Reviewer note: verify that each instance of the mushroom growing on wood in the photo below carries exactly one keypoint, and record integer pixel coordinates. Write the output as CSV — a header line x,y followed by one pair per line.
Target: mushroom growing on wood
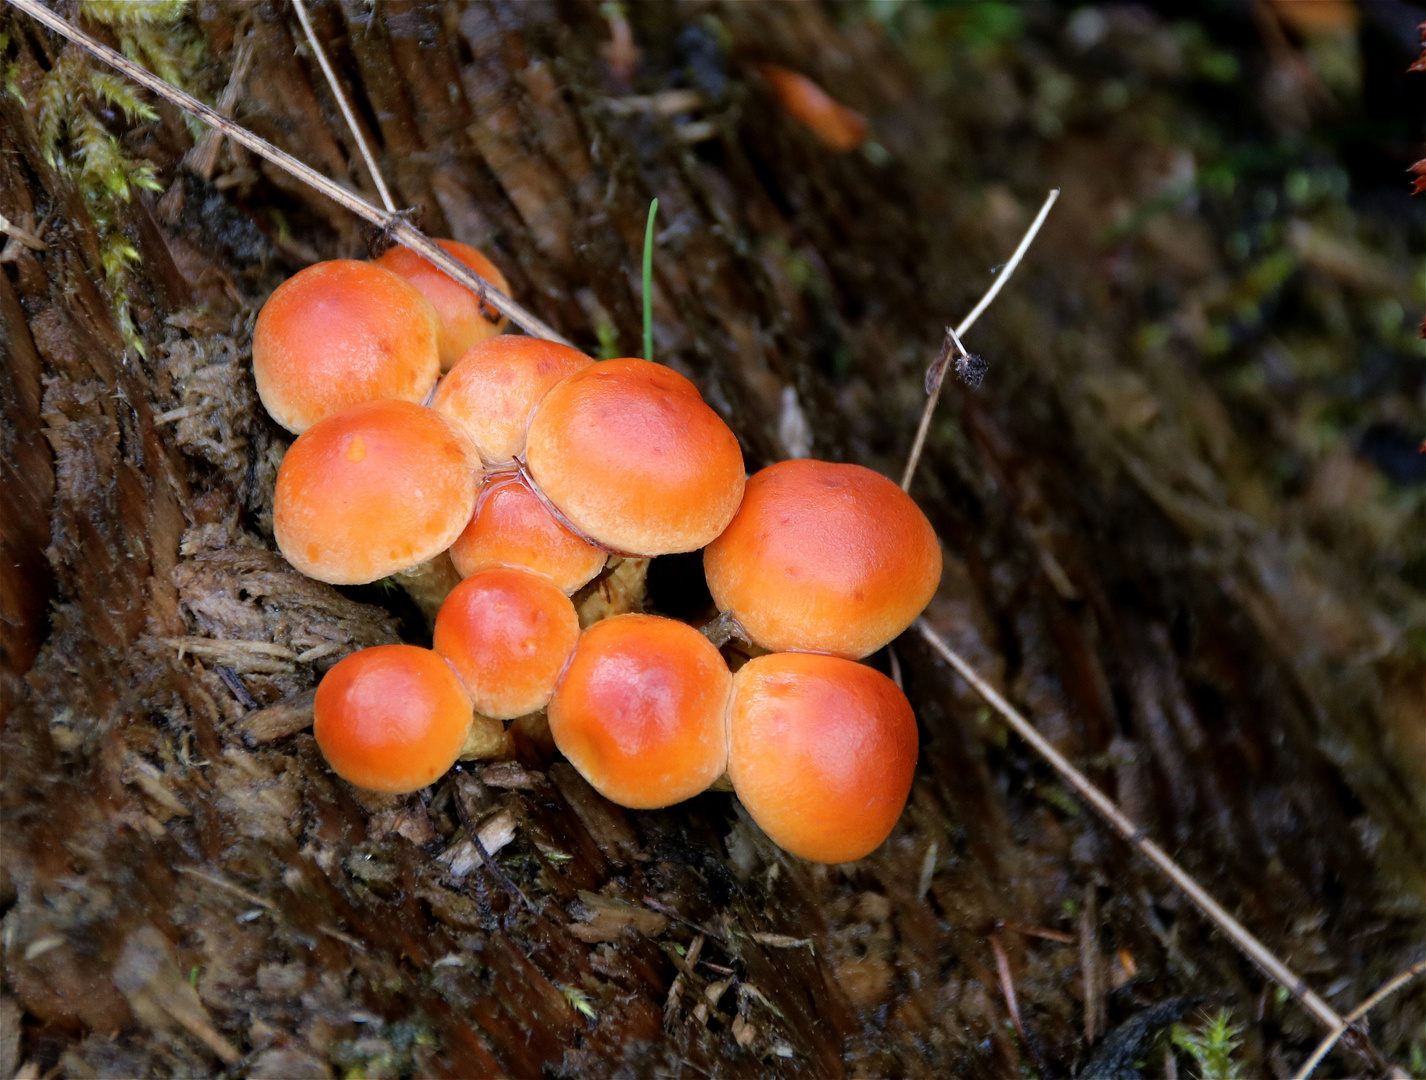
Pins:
x,y
629,452
340,333
391,718
824,557
493,389
508,634
821,752
378,489
640,711
462,321
511,526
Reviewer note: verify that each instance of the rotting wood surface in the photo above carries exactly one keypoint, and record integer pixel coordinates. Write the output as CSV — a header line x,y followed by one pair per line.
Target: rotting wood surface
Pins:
x,y
187,887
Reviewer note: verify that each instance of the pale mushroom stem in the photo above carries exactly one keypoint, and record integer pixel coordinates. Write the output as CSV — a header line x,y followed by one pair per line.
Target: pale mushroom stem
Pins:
x,y
487,740
429,583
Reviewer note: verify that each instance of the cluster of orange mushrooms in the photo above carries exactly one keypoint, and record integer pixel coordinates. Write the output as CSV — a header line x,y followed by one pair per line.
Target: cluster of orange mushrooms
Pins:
x,y
532,464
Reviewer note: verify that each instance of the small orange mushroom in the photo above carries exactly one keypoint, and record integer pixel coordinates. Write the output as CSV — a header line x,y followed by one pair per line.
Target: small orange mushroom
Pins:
x,y
513,527
463,323
380,488
824,557
340,333
640,712
821,752
629,452
391,718
508,634
494,388
833,123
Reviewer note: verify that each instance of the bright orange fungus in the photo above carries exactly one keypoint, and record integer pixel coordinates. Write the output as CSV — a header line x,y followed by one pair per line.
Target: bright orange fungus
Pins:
x,y
391,718
462,322
640,711
508,634
821,752
340,333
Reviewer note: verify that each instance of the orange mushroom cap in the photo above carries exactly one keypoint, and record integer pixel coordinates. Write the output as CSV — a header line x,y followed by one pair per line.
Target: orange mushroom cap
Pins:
x,y
462,323
391,718
825,558
821,752
513,527
508,634
833,123
494,388
379,488
641,710
629,452
339,333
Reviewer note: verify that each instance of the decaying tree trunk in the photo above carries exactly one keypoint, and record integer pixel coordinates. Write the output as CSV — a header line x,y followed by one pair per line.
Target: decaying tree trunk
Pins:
x,y
187,888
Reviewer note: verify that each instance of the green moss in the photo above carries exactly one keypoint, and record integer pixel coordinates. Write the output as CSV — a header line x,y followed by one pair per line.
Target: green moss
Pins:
x,y
72,99
1212,1046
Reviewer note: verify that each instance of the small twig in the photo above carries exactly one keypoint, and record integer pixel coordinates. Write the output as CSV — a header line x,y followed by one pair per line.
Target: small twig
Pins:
x,y
664,909
937,377
1007,987
399,229
236,890
235,685
1388,988
1038,932
1089,964
473,835
202,157
1251,946
347,114
24,236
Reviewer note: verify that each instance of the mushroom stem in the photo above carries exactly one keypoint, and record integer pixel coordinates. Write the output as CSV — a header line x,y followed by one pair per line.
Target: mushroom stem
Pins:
x,y
487,740
429,583
616,591
723,783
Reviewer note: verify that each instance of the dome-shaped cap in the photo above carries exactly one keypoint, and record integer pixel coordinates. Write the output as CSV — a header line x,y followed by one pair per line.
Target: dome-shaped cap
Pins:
x,y
508,634
391,718
379,488
462,322
640,712
821,752
629,452
825,558
494,388
340,333
513,527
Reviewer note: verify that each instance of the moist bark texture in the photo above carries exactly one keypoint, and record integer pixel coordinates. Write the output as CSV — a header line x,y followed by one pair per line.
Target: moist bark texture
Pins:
x,y
188,890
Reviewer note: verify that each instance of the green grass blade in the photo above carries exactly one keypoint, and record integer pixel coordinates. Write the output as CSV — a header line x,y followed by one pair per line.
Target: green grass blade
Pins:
x,y
649,283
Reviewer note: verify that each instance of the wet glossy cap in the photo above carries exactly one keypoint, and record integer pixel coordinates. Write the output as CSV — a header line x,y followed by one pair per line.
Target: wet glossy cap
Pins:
x,y
512,527
833,123
494,388
379,488
825,558
462,322
630,454
340,333
641,710
508,634
821,752
391,718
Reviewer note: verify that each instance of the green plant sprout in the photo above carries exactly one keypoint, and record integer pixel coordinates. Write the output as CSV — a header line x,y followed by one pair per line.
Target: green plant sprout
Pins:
x,y
649,283
1212,1046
